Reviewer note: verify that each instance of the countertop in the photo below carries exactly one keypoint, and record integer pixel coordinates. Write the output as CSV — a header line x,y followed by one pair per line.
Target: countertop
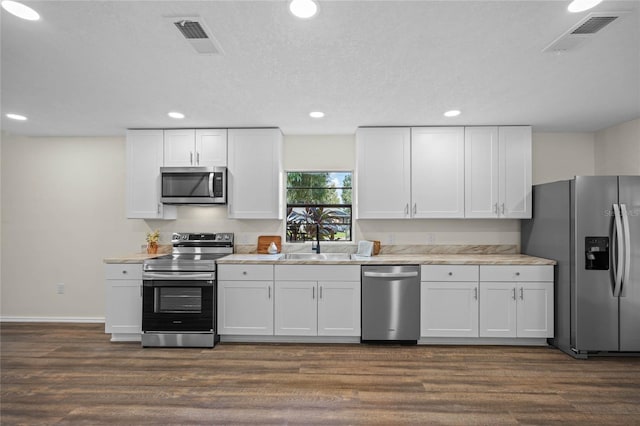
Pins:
x,y
385,259
139,257
395,259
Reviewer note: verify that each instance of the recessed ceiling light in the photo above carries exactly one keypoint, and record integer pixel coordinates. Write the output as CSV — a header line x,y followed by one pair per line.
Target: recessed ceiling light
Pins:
x,y
20,10
303,9
316,114
452,113
176,115
16,117
582,5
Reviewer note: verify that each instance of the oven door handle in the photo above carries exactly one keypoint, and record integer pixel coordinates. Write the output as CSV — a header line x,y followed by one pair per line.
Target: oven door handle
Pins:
x,y
180,276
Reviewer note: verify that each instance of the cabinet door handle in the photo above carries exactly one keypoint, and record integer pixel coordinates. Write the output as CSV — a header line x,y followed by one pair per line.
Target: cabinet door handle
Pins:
x,y
406,209
197,158
475,293
313,292
415,208
158,208
269,287
320,292
521,293
514,293
503,208
191,158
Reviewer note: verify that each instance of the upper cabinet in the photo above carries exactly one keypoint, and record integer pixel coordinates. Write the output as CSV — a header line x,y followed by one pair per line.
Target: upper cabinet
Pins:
x,y
254,174
383,174
437,172
195,147
410,173
144,157
498,172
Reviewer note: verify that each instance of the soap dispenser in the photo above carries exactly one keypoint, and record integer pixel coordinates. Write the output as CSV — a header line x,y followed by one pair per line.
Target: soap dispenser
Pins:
x,y
273,249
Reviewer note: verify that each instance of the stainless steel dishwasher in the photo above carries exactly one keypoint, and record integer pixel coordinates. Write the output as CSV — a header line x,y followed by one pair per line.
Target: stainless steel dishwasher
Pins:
x,y
391,303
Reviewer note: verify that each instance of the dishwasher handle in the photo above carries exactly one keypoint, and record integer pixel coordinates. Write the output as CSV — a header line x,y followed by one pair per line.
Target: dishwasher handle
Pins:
x,y
391,274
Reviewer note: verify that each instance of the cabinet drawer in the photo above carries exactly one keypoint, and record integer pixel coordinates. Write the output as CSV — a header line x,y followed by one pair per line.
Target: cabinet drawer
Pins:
x,y
317,272
245,272
123,271
449,273
516,273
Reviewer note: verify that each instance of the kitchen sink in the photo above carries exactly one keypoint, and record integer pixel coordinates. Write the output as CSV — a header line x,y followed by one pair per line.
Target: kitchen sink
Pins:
x,y
315,256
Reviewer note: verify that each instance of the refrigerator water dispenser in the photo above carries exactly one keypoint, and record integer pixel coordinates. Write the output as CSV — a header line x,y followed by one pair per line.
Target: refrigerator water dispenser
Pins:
x,y
596,253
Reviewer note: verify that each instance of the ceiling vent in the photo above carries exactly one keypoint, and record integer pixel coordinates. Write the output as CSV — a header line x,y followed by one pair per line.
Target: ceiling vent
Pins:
x,y
196,33
582,32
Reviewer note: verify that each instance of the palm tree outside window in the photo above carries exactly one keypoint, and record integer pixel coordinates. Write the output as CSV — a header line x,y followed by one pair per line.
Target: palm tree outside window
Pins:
x,y
319,198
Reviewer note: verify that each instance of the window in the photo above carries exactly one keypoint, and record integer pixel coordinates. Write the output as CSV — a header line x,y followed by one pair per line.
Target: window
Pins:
x,y
319,201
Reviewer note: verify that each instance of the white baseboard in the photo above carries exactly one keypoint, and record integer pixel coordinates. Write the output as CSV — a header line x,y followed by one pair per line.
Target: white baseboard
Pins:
x,y
53,319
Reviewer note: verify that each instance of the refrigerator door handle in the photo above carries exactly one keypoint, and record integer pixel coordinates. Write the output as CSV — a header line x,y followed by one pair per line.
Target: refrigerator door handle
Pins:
x,y
617,269
627,244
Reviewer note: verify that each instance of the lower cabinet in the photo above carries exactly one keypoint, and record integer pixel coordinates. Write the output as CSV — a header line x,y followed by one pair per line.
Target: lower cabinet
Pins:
x,y
313,300
123,313
245,300
516,301
449,305
486,301
523,309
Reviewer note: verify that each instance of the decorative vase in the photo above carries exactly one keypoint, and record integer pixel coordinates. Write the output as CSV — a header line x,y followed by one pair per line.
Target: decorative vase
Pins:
x,y
152,248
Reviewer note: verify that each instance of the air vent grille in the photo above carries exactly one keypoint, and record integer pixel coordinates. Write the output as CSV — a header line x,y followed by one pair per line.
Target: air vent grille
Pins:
x,y
582,31
594,24
191,29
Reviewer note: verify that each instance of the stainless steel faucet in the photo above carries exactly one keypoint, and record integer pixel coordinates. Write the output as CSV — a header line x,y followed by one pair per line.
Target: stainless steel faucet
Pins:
x,y
317,247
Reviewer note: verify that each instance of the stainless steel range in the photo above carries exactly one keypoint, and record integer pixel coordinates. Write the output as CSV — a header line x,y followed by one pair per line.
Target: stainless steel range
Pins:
x,y
179,291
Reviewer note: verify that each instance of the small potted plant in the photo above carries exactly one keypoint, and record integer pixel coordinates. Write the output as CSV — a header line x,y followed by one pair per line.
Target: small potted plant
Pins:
x,y
152,241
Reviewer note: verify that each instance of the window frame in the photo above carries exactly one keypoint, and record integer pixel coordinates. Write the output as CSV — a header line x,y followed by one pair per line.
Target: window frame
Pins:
x,y
350,206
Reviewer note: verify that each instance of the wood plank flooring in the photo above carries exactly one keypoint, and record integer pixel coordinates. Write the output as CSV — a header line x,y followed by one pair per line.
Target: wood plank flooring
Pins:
x,y
72,374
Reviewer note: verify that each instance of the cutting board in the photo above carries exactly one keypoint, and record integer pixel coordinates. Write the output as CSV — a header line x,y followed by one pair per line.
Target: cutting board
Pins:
x,y
265,240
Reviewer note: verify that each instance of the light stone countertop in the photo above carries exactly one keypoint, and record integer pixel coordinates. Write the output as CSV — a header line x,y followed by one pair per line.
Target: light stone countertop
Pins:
x,y
394,259
139,257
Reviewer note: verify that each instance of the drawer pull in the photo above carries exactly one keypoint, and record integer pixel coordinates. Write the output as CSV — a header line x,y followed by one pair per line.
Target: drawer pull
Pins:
x,y
517,274
450,273
124,272
244,272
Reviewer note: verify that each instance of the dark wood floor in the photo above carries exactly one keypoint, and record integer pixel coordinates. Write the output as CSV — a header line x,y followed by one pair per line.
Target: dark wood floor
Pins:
x,y
72,374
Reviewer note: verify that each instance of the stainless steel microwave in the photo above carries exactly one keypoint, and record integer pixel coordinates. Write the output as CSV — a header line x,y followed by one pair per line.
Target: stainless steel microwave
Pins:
x,y
193,185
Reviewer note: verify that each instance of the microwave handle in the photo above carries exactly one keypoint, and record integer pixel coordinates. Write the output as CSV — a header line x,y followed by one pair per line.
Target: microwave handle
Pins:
x,y
211,185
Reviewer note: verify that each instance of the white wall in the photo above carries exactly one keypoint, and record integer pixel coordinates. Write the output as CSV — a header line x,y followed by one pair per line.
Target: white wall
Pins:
x,y
63,211
617,149
561,156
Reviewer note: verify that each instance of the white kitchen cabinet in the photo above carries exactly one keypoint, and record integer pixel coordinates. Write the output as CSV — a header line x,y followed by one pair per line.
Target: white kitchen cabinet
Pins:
x,y
255,175
383,173
516,301
437,172
339,308
498,172
195,147
296,309
144,157
245,300
123,318
317,300
410,173
449,301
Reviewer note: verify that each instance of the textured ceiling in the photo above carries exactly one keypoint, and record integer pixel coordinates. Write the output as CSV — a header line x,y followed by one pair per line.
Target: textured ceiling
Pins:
x,y
99,67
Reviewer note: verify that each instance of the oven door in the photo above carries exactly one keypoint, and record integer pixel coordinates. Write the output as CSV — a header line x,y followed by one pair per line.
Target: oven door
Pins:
x,y
178,303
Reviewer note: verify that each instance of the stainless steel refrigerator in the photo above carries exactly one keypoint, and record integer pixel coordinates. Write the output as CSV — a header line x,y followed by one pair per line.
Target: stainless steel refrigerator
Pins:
x,y
591,226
